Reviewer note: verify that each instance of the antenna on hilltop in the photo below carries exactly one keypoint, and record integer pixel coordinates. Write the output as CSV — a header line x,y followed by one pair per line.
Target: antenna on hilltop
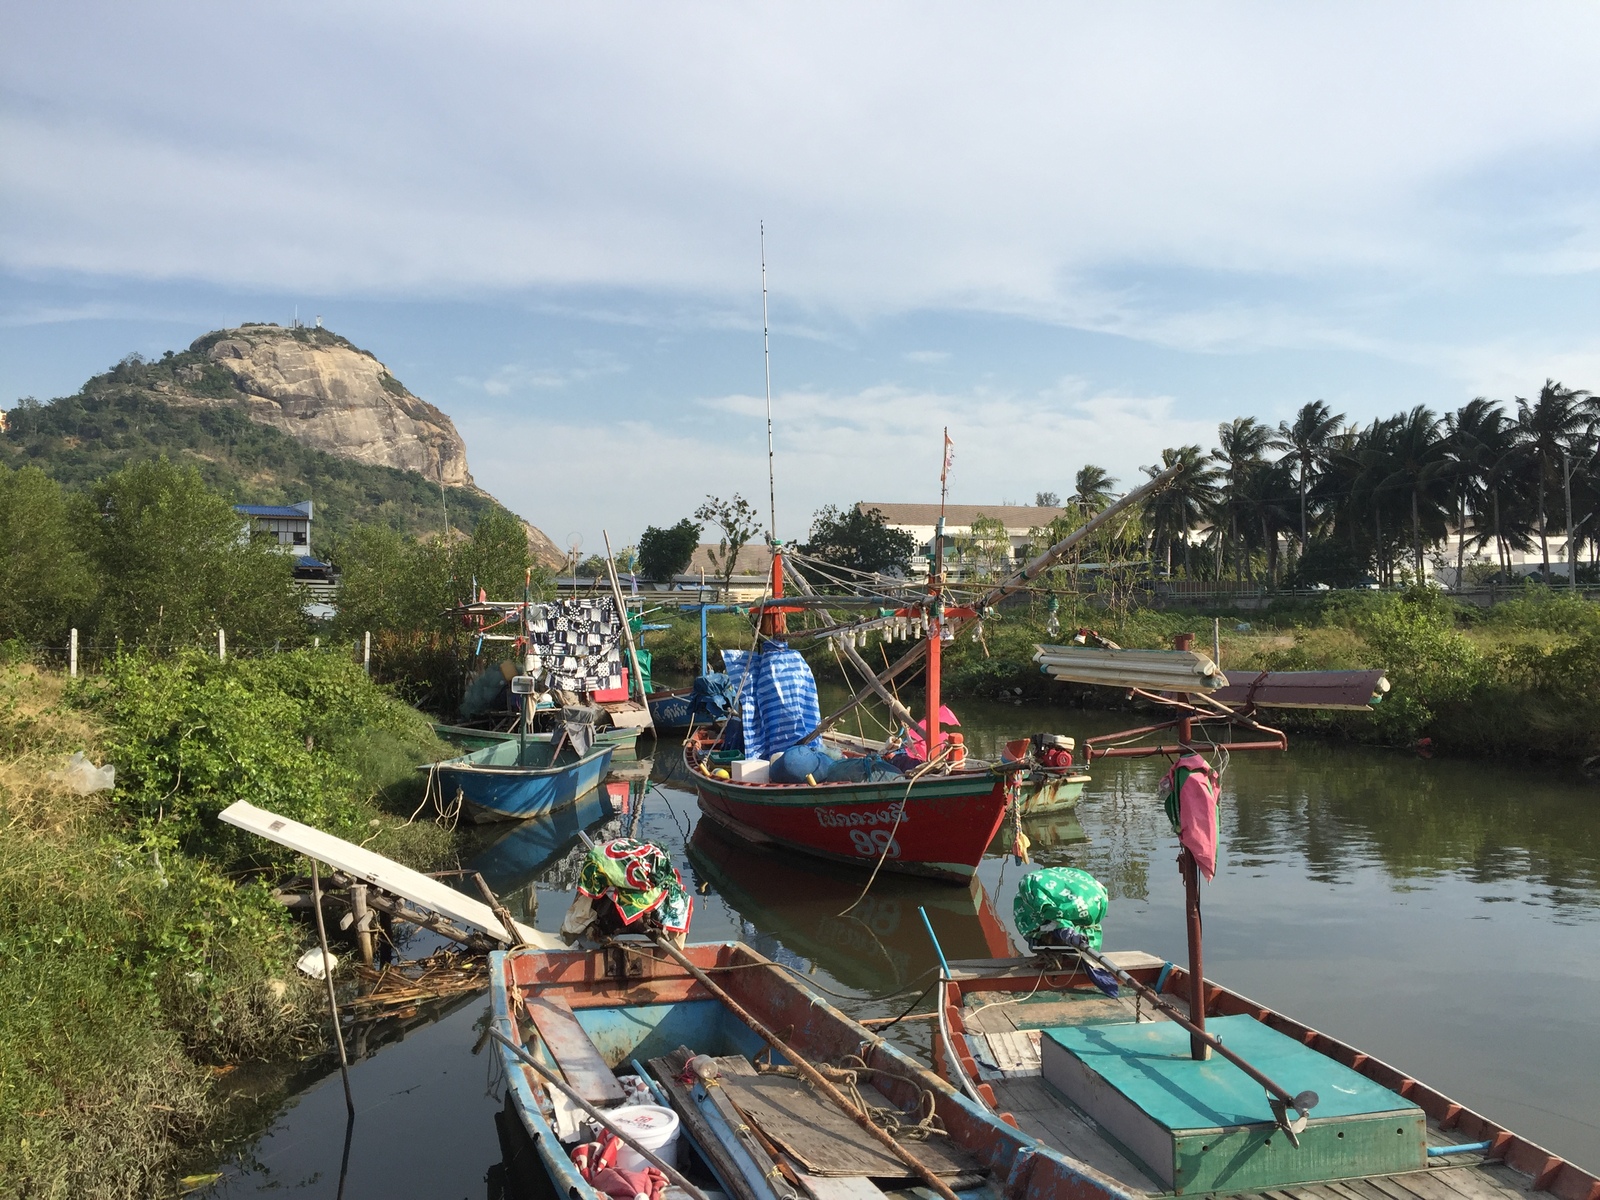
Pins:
x,y
766,357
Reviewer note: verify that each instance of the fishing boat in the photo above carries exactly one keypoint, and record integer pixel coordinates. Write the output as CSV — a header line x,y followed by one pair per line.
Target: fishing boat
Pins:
x,y
1115,1084
519,779
717,1033
624,742
938,825
673,710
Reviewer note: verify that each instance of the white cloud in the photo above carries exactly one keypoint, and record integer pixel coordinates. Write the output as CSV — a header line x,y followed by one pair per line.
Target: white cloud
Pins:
x,y
903,155
927,358
515,378
880,443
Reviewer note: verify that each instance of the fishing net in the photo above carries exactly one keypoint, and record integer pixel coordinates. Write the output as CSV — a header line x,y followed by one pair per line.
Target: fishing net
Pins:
x,y
1059,896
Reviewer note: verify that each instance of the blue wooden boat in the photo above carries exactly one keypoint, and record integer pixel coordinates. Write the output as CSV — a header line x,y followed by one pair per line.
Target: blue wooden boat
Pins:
x,y
471,737
519,779
1018,1036
672,711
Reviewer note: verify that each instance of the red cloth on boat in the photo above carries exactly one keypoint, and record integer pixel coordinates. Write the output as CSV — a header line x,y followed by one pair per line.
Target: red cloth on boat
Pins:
x,y
1197,809
594,1162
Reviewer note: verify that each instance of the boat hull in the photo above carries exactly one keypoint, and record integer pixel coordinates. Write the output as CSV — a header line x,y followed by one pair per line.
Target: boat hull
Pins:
x,y
623,741
1050,792
938,826
520,794
672,711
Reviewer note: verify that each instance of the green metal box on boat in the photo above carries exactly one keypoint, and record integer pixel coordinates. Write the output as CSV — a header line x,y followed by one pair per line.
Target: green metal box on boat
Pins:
x,y
1206,1126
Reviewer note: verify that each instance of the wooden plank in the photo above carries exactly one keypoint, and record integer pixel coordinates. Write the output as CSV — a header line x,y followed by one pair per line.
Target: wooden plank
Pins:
x,y
1015,1054
1474,1183
574,1052
380,871
840,1187
1133,960
825,1141
666,1071
1045,1115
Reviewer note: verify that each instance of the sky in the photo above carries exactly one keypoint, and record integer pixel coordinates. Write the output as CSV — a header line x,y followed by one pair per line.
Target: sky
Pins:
x,y
1072,233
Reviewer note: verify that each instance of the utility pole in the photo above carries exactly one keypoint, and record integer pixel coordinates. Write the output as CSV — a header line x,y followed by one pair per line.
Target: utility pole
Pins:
x,y
1572,557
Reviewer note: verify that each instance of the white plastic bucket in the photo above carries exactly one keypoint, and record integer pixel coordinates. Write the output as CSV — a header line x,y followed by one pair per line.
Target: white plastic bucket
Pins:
x,y
653,1127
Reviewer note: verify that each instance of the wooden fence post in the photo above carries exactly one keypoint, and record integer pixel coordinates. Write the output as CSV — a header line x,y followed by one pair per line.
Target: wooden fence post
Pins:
x,y
222,645
366,652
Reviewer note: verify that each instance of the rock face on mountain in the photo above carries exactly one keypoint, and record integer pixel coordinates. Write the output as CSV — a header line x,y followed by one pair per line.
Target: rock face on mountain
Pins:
x,y
321,390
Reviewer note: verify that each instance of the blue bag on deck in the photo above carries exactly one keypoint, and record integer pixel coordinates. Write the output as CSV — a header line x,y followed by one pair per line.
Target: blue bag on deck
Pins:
x,y
793,765
713,698
869,768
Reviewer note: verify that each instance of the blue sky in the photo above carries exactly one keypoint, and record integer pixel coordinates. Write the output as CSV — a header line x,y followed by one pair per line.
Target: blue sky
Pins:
x,y
1073,233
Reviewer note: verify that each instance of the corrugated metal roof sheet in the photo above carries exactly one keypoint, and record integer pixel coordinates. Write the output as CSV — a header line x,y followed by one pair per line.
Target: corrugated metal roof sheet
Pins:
x,y
1012,516
271,510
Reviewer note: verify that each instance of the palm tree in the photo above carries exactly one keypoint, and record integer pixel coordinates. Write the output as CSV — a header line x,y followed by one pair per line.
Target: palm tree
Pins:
x,y
1241,443
1185,502
1092,489
1478,440
1305,442
1261,501
1557,421
1419,461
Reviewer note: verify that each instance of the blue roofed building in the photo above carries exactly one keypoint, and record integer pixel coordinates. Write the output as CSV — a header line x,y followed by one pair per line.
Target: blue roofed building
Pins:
x,y
289,525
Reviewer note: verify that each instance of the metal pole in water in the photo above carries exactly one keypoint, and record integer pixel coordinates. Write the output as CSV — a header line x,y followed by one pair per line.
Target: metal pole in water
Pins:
x,y
1199,1048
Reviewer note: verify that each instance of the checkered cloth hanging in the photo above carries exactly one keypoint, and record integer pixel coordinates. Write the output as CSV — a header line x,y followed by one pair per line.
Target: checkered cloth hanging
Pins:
x,y
579,643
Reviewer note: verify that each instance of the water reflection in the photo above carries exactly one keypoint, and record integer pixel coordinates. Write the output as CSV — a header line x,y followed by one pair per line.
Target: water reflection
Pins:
x,y
875,943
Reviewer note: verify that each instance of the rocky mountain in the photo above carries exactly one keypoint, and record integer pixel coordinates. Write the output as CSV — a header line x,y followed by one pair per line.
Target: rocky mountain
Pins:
x,y
309,384
324,392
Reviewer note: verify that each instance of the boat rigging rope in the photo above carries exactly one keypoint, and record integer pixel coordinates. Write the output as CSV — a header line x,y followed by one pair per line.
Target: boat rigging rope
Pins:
x,y
938,758
891,1120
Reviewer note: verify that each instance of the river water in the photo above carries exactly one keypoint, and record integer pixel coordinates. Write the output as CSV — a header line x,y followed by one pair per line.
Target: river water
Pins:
x,y
1441,915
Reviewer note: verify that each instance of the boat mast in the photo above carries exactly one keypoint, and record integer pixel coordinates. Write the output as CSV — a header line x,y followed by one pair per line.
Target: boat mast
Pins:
x,y
936,608
773,624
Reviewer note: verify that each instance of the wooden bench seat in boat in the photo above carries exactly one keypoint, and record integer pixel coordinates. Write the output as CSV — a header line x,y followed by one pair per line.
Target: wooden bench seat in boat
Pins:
x,y
573,1050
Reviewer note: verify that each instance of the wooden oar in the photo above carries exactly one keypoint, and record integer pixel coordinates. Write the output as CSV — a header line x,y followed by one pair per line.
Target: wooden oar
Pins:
x,y
816,1077
628,1140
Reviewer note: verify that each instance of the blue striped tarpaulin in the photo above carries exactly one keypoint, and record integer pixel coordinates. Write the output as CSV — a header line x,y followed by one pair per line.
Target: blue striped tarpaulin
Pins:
x,y
778,699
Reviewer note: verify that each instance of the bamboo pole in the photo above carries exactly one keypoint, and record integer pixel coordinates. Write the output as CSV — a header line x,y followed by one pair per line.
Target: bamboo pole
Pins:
x,y
814,1076
333,999
627,629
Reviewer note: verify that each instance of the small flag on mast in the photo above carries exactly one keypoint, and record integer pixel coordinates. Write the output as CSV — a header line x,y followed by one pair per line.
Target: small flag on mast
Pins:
x,y
949,456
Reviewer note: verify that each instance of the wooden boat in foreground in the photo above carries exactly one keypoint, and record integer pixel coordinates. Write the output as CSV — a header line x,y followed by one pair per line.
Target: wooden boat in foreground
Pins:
x,y
757,1135
1112,1083
519,779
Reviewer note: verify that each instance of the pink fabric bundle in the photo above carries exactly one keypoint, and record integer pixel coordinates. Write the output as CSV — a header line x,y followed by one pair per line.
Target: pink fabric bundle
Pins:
x,y
594,1159
1197,810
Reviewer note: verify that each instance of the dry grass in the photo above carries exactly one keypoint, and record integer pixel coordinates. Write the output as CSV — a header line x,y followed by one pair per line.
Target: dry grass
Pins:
x,y
38,731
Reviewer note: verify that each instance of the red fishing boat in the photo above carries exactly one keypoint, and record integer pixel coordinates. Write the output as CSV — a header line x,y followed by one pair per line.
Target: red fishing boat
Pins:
x,y
938,825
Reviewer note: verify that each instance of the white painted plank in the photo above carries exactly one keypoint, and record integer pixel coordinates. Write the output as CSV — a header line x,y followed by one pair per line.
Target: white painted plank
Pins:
x,y
1016,1054
375,869
840,1187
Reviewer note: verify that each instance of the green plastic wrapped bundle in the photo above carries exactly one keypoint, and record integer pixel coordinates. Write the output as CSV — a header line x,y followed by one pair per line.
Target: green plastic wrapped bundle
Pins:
x,y
1064,895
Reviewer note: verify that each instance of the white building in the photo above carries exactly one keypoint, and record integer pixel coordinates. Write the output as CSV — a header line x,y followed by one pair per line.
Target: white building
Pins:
x,y
289,524
921,520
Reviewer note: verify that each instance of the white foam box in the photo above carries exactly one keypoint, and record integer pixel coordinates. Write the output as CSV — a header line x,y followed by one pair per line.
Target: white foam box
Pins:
x,y
750,770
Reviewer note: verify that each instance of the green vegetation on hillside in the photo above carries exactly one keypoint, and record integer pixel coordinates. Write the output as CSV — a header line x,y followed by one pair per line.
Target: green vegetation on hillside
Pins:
x,y
116,421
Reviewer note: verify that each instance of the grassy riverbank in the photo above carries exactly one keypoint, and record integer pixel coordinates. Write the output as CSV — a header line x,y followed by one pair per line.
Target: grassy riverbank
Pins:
x,y
1519,679
141,953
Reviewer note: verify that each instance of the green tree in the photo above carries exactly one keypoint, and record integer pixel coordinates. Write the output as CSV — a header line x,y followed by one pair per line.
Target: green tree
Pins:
x,y
498,557
986,550
175,565
1185,504
45,584
1305,443
1046,500
664,553
859,541
739,522
1092,489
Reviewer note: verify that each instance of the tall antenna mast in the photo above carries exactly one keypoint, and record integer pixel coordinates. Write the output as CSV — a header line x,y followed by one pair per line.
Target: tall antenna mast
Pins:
x,y
766,355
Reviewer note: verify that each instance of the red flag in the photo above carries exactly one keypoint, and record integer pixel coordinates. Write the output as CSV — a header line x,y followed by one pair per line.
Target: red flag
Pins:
x,y
949,456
